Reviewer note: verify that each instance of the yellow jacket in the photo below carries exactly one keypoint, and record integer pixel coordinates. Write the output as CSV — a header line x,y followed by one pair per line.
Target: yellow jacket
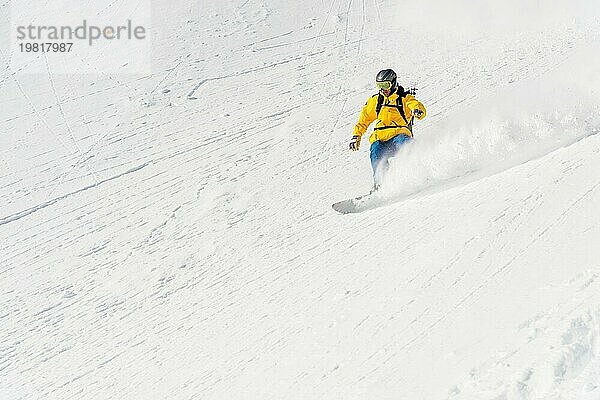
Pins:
x,y
390,122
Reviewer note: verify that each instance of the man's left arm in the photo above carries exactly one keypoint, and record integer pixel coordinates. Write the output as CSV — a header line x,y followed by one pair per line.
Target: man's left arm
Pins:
x,y
416,107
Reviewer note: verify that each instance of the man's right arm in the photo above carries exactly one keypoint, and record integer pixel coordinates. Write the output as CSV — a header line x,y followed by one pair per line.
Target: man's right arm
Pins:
x,y
367,116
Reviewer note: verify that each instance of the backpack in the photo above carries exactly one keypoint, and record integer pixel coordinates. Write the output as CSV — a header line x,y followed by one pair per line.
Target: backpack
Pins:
x,y
401,94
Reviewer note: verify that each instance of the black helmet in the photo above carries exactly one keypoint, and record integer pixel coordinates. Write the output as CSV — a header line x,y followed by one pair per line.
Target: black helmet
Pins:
x,y
386,75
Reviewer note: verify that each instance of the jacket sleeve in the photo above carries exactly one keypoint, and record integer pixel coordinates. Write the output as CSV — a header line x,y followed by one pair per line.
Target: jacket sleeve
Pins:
x,y
414,104
367,116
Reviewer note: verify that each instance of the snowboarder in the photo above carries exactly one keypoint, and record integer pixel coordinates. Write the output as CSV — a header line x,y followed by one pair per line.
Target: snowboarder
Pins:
x,y
394,109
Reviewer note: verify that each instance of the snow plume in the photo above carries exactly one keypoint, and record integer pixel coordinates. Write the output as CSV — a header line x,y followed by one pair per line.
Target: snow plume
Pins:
x,y
515,125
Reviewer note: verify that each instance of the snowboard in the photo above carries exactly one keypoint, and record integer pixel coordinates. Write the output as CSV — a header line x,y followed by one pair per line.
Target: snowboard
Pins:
x,y
358,204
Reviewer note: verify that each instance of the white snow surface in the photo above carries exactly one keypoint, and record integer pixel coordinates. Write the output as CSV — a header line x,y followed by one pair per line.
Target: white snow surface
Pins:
x,y
170,235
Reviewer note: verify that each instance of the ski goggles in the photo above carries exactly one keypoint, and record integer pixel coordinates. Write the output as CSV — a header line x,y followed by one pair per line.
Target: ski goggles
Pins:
x,y
385,85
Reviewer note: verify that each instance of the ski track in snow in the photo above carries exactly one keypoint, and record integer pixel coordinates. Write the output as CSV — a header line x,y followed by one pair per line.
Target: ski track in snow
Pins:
x,y
170,235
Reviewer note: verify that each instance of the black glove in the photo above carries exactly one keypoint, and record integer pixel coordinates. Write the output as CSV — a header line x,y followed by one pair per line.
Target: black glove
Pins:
x,y
418,113
355,143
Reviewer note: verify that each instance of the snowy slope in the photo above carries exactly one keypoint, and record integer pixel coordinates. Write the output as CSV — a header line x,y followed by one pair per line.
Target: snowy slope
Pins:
x,y
170,235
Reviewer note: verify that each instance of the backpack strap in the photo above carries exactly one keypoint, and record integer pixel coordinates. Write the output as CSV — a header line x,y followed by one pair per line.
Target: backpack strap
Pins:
x,y
400,105
379,103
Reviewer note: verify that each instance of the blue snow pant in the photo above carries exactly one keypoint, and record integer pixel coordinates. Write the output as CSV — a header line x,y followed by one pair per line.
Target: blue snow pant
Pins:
x,y
381,152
